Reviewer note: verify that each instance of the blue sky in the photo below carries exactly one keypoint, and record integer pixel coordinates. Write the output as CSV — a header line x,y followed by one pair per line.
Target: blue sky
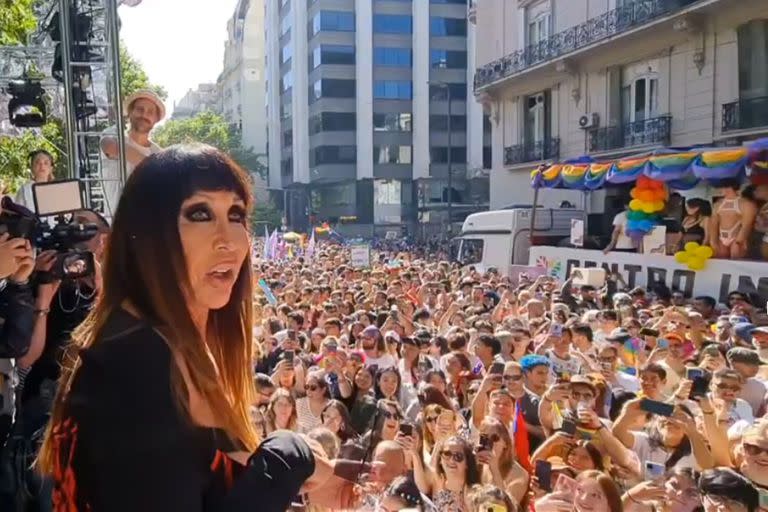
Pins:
x,y
179,42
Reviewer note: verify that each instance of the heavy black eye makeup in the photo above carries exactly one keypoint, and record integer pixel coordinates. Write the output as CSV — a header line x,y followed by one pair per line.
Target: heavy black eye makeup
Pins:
x,y
202,212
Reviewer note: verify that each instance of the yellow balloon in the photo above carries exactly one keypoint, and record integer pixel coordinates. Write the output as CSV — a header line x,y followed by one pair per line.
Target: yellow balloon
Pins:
x,y
696,264
682,257
635,204
691,246
647,208
658,206
704,252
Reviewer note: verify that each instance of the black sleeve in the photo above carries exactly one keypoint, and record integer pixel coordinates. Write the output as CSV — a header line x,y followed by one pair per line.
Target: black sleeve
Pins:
x,y
274,476
17,311
133,451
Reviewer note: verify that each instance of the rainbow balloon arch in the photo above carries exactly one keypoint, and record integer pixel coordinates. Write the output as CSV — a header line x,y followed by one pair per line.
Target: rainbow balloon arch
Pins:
x,y
654,175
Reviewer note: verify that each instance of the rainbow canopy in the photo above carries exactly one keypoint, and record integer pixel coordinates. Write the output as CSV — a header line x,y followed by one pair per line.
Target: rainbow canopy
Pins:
x,y
681,170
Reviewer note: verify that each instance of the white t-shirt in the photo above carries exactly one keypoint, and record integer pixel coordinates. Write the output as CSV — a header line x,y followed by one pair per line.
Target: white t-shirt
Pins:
x,y
110,171
623,242
563,367
383,361
642,448
305,420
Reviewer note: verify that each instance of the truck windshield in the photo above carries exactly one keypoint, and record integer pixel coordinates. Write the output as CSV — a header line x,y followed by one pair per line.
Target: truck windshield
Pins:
x,y
471,251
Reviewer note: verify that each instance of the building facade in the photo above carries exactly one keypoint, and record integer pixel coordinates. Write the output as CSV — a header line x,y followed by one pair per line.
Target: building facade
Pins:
x,y
205,97
608,78
242,81
357,102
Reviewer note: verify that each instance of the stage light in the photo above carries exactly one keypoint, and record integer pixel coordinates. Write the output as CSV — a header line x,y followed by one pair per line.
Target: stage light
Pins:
x,y
26,107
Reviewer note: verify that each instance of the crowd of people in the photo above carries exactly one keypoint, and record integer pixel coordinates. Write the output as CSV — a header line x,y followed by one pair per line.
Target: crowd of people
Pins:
x,y
466,392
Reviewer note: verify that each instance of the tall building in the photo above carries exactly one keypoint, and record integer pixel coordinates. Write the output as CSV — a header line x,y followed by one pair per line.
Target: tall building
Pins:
x,y
609,78
357,102
242,82
205,97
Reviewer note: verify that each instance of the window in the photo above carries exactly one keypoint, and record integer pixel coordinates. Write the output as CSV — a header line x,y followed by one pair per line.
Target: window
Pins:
x,y
459,2
471,251
538,27
448,59
394,57
640,99
392,24
487,157
440,122
439,93
332,155
285,25
392,90
332,88
332,122
286,52
753,62
439,155
387,192
447,26
343,194
333,21
287,80
332,54
537,117
286,166
400,122
288,137
392,154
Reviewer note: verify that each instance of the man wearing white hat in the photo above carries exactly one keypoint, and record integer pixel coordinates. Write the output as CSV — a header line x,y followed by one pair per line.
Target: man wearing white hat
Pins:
x,y
144,109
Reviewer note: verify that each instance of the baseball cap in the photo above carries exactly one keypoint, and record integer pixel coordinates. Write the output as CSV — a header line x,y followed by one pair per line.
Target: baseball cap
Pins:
x,y
744,331
389,335
619,335
370,332
745,356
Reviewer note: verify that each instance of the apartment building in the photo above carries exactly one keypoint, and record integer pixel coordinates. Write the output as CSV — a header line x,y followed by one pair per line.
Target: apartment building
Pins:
x,y
358,108
562,79
205,97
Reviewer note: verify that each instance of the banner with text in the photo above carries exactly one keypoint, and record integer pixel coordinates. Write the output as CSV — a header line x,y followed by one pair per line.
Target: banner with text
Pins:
x,y
718,278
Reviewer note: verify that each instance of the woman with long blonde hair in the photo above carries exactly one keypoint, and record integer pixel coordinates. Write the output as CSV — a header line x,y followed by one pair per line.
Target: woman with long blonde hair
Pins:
x,y
152,410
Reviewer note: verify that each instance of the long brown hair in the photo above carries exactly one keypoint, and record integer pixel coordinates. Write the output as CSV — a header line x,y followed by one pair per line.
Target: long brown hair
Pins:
x,y
607,485
144,266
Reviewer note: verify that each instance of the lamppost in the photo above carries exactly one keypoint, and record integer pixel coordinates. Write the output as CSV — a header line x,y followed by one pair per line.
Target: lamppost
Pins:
x,y
447,88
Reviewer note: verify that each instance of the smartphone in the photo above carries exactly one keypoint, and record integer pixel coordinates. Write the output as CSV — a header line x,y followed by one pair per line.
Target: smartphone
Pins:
x,y
700,381
496,369
406,429
484,443
544,474
662,343
568,427
653,470
656,407
289,356
565,484
646,331
556,330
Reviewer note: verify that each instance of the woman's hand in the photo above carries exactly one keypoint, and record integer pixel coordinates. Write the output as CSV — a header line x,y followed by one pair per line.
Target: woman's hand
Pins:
x,y
647,491
555,502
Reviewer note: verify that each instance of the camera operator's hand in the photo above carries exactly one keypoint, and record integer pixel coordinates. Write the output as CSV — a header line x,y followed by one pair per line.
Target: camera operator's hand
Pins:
x,y
26,264
46,292
12,250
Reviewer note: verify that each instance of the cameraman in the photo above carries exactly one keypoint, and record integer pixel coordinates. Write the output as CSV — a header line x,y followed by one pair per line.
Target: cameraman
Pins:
x,y
17,261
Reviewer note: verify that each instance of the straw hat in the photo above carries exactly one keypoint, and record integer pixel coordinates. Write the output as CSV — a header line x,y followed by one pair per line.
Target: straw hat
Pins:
x,y
145,95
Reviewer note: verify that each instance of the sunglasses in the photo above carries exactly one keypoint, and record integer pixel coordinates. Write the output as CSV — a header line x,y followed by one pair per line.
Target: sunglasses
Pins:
x,y
754,450
311,387
516,377
390,415
457,457
728,387
431,419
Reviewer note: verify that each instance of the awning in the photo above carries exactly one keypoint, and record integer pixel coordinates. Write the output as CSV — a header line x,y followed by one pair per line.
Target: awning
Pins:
x,y
680,169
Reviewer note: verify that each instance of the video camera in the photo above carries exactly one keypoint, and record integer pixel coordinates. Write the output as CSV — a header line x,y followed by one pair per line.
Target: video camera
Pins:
x,y
59,199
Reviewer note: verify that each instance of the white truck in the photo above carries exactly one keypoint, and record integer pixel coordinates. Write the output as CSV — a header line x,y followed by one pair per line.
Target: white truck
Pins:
x,y
502,238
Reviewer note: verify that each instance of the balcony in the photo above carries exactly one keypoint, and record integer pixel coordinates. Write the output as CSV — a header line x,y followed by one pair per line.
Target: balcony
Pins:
x,y
745,114
607,25
547,149
654,131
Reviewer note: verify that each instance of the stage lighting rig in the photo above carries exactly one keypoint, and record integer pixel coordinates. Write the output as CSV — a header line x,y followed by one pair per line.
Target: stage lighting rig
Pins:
x,y
26,107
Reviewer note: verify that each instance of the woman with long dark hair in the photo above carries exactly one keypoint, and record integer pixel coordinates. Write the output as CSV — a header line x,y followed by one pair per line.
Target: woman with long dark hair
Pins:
x,y
152,410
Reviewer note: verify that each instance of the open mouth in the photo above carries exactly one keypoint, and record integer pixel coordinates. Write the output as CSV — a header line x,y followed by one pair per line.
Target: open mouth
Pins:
x,y
223,274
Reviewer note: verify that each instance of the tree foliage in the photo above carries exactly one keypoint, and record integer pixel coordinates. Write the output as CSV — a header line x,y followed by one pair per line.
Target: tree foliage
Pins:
x,y
133,77
209,128
17,21
265,213
15,150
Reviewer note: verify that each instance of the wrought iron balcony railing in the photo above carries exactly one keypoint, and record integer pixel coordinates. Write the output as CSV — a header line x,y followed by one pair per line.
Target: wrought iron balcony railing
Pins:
x,y
637,133
532,152
591,31
745,114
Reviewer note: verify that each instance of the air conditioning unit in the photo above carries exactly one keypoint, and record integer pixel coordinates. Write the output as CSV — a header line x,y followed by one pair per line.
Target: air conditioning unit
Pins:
x,y
589,121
